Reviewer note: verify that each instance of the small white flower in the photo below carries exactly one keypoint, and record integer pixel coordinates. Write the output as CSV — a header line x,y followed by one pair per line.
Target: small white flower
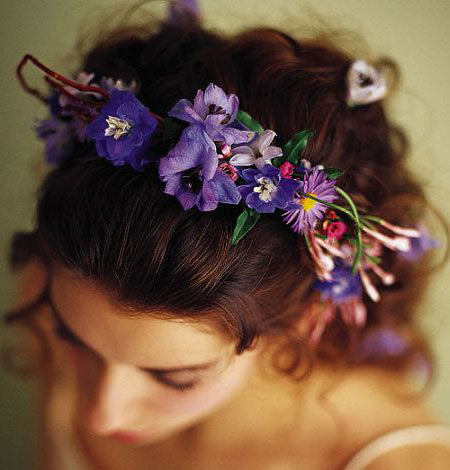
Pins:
x,y
266,190
307,164
365,84
258,153
110,84
117,127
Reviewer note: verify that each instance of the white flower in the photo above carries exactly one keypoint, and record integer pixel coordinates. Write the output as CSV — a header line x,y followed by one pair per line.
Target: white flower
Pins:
x,y
258,153
365,84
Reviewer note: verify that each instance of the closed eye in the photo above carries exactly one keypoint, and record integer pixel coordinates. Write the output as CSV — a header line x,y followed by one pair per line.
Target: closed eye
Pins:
x,y
181,386
66,335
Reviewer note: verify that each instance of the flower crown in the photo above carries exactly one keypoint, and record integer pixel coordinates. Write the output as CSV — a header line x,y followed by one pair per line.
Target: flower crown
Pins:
x,y
209,152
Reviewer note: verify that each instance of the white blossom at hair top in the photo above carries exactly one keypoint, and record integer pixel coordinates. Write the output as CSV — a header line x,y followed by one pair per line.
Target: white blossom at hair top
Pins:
x,y
365,84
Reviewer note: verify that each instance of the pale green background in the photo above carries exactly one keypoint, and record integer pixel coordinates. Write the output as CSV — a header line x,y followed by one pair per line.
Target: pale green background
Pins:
x,y
413,32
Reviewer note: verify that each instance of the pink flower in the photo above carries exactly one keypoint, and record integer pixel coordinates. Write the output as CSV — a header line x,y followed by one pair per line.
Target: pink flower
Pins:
x,y
230,170
336,230
287,168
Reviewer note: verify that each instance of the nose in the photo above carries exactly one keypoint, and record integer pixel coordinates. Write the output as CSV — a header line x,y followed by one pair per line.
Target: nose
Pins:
x,y
115,400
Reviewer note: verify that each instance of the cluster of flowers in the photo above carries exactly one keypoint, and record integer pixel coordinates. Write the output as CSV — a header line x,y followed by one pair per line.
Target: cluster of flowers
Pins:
x,y
208,151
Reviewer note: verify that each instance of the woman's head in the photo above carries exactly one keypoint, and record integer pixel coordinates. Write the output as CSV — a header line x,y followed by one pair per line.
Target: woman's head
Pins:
x,y
125,259
141,375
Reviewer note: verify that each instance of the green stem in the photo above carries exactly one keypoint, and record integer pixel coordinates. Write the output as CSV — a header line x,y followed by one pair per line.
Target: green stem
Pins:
x,y
373,218
358,227
329,204
353,215
308,243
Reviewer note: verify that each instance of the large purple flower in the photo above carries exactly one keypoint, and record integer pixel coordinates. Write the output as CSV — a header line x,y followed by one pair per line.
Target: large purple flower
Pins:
x,y
191,173
124,131
267,189
214,111
304,212
343,286
58,137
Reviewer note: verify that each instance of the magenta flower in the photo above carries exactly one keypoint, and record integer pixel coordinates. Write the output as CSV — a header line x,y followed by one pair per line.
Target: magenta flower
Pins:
x,y
287,168
336,230
214,112
304,212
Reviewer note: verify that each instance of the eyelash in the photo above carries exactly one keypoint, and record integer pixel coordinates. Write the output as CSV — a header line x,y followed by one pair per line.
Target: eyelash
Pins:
x,y
65,335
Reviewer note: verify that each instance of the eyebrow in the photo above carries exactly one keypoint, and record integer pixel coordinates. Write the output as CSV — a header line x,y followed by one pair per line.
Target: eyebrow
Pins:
x,y
152,370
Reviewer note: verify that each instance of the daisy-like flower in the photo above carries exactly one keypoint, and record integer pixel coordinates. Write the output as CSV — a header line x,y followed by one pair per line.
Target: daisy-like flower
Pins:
x,y
258,152
303,213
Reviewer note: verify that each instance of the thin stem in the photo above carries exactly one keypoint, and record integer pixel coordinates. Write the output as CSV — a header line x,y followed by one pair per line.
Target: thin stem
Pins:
x,y
358,227
329,204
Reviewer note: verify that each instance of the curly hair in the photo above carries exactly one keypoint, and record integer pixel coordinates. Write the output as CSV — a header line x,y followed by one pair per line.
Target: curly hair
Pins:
x,y
117,227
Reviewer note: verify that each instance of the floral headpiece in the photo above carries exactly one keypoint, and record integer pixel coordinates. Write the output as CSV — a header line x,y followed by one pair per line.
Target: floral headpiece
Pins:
x,y
209,152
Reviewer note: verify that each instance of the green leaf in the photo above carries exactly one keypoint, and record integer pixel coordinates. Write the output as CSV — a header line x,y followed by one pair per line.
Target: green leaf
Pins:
x,y
252,124
278,161
295,147
244,223
334,173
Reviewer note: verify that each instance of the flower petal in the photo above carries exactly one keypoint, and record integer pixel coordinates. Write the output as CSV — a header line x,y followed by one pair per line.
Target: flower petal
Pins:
x,y
215,95
227,191
242,159
265,139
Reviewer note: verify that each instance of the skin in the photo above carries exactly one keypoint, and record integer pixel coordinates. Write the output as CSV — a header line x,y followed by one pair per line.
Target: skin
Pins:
x,y
244,415
142,375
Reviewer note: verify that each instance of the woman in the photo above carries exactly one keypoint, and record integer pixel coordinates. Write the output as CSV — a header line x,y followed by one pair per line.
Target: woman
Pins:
x,y
207,295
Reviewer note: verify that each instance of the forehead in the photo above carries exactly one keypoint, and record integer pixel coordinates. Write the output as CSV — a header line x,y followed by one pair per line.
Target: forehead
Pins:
x,y
140,339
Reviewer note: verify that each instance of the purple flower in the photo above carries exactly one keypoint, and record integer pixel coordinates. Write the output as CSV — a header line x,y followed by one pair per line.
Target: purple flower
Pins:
x,y
419,246
303,212
381,343
213,111
343,286
58,138
267,189
124,131
182,12
191,173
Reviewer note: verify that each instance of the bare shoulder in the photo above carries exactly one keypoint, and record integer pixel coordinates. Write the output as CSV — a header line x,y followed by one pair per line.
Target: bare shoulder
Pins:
x,y
417,457
371,403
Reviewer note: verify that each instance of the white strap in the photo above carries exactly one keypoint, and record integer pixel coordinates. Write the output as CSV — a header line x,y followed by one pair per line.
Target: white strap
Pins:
x,y
425,434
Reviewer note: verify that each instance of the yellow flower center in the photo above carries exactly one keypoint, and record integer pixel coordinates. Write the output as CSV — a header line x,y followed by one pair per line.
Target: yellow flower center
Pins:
x,y
308,203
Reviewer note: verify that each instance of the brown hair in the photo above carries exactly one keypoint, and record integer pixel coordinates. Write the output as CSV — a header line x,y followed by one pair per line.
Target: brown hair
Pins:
x,y
117,227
